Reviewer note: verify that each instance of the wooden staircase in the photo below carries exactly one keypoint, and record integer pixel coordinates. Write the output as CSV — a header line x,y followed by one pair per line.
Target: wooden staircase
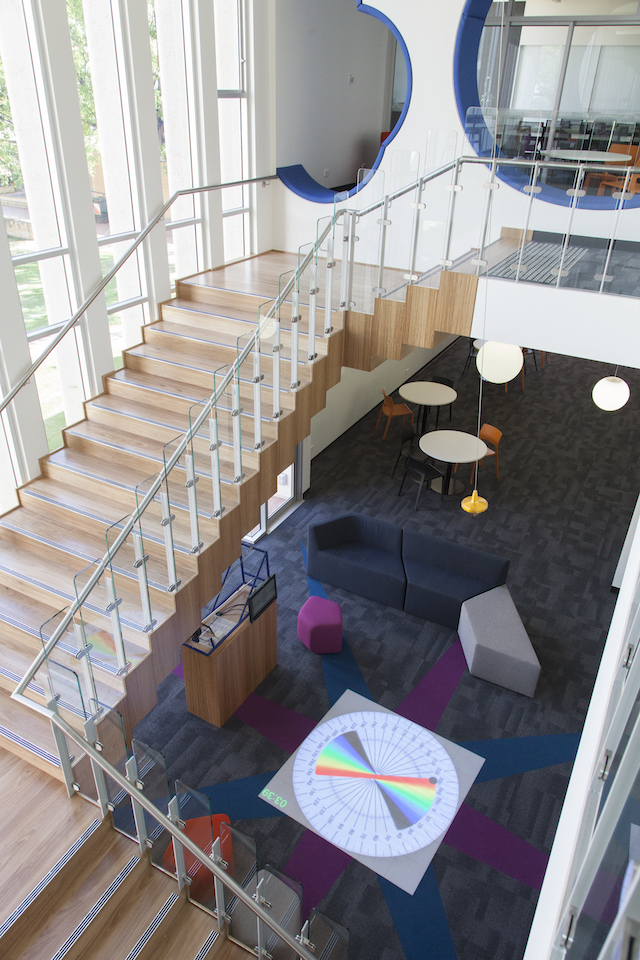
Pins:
x,y
62,524
103,899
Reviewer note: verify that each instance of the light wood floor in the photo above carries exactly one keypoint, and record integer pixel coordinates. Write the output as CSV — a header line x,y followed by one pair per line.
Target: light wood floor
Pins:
x,y
39,823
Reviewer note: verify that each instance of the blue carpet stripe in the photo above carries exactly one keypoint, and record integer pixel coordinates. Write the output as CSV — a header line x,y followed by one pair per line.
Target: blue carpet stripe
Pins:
x,y
341,670
511,755
420,920
240,799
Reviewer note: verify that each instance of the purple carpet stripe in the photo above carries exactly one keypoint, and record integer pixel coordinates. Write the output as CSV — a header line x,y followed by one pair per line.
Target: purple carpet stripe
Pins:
x,y
179,671
316,864
429,699
282,726
479,837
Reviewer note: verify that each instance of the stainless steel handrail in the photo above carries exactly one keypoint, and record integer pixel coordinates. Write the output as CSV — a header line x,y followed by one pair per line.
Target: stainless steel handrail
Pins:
x,y
71,322
137,795
157,483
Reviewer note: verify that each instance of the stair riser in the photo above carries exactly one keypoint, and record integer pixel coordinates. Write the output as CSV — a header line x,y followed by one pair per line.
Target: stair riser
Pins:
x,y
217,295
206,321
35,761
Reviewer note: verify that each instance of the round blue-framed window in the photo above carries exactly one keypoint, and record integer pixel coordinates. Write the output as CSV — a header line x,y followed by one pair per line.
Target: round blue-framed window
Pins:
x,y
465,74
302,183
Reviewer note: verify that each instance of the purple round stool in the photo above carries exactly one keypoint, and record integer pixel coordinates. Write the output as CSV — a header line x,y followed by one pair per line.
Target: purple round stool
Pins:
x,y
320,625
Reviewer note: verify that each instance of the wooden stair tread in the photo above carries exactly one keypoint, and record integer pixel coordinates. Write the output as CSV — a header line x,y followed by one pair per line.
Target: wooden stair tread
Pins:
x,y
117,475
63,910
242,315
145,447
57,495
146,894
163,418
184,936
33,728
34,840
79,541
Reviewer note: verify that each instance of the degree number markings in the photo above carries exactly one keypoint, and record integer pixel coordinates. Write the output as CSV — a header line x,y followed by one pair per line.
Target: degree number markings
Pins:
x,y
375,784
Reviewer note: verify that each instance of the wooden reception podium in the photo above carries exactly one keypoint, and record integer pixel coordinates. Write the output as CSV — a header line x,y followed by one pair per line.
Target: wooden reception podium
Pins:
x,y
218,681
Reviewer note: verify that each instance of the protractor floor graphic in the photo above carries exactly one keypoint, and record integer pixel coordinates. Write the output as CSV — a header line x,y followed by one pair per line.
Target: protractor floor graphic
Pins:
x,y
375,784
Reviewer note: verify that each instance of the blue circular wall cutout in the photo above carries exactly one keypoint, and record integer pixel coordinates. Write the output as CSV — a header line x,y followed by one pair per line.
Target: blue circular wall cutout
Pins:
x,y
302,183
465,74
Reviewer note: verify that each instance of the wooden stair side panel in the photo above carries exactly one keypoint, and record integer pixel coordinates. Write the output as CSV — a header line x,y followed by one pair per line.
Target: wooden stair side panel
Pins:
x,y
388,328
455,302
420,316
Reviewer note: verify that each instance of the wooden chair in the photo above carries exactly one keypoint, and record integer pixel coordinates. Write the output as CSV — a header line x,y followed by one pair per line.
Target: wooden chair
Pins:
x,y
610,179
391,409
490,435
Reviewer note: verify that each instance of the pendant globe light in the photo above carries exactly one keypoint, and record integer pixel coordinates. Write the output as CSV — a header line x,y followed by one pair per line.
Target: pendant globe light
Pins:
x,y
499,362
611,393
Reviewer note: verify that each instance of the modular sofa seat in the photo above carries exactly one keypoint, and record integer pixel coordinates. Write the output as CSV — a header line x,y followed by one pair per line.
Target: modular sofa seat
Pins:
x,y
359,554
441,575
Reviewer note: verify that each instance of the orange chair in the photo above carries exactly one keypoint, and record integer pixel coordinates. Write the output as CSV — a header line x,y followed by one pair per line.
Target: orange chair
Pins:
x,y
490,435
391,409
610,179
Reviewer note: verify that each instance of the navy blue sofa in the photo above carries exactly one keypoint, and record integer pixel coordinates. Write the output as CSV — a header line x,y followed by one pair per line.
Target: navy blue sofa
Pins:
x,y
424,575
359,554
441,575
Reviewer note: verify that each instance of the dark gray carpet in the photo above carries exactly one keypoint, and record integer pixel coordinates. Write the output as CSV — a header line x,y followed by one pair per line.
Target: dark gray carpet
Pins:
x,y
569,480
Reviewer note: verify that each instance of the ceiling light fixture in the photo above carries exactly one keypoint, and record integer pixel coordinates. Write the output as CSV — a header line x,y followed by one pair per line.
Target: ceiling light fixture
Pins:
x,y
499,362
611,393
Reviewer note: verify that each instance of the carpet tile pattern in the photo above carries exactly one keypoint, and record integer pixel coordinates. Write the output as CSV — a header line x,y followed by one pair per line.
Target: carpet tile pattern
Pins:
x,y
569,481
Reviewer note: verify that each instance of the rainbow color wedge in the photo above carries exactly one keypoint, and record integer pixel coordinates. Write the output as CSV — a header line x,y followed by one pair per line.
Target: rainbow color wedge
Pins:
x,y
408,798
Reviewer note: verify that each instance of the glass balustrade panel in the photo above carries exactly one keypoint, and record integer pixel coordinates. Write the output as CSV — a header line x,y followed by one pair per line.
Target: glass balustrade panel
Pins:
x,y
590,262
363,255
110,731
63,673
134,608
181,481
329,268
240,853
271,396
152,774
624,254
330,940
401,233
285,898
162,532
227,392
205,462
433,207
203,829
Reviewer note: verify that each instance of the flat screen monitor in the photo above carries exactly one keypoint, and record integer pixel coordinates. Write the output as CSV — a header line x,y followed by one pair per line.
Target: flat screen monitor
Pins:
x,y
262,598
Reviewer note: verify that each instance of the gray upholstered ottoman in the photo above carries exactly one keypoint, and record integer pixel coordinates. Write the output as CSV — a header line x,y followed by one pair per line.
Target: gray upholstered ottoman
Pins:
x,y
496,644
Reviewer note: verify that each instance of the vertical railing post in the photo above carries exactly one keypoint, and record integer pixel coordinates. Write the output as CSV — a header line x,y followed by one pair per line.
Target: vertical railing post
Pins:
x,y
112,608
196,543
167,520
214,445
455,188
344,274
258,377
490,186
533,189
277,412
417,205
218,885
85,664
328,299
140,565
614,230
61,744
98,773
576,193
295,338
237,431
178,849
313,294
353,239
383,222
131,772
260,949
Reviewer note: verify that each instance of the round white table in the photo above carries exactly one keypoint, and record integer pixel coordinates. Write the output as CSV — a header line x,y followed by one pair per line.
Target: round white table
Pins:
x,y
426,393
588,156
451,446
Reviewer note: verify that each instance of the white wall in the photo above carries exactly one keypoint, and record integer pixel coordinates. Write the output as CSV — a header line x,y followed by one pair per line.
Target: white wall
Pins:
x,y
323,121
359,392
593,326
